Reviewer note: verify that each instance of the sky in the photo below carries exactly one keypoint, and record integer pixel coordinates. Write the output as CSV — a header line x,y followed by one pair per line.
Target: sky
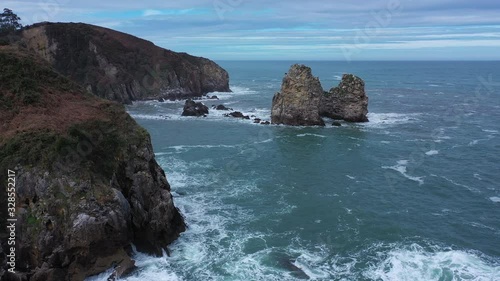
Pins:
x,y
294,29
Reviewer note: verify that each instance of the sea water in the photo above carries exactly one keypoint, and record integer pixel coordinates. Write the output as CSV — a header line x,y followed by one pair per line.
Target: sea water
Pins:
x,y
412,195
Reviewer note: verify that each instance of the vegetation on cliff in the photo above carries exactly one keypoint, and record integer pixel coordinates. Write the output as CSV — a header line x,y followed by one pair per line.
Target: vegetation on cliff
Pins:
x,y
9,22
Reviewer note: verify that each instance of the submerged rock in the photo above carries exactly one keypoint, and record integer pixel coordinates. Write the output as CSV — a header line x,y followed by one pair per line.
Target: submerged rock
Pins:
x,y
297,103
347,101
192,108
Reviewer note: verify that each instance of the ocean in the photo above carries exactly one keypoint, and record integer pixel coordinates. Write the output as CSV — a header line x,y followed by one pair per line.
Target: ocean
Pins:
x,y
411,195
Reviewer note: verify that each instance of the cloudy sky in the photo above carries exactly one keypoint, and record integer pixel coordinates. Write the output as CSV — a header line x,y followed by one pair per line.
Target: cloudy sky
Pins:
x,y
293,29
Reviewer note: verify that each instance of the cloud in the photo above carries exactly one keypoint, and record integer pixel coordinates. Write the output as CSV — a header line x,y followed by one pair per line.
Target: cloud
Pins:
x,y
291,29
148,13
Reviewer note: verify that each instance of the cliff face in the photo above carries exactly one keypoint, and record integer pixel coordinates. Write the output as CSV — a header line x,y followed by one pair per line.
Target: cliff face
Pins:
x,y
121,67
347,101
297,103
87,183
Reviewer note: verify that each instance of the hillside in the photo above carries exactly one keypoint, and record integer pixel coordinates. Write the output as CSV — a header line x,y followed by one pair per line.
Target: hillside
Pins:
x,y
121,67
87,183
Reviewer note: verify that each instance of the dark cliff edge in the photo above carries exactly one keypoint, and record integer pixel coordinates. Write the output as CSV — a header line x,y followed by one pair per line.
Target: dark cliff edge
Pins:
x,y
87,183
120,67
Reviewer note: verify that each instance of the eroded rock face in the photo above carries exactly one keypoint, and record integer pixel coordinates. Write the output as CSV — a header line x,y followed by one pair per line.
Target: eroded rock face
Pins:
x,y
297,103
121,67
87,182
347,101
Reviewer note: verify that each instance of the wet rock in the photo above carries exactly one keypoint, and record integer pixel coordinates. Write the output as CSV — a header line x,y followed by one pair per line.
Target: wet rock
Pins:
x,y
222,107
336,124
192,108
237,114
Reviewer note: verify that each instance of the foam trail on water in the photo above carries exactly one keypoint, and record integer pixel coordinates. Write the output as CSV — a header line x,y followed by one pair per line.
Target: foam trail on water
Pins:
x,y
378,120
495,199
312,135
432,152
401,168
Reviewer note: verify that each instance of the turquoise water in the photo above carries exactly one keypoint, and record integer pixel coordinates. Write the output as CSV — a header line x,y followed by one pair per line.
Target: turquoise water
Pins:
x,y
411,195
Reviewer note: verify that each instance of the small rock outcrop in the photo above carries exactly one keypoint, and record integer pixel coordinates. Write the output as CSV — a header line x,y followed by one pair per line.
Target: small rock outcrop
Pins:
x,y
87,182
221,107
237,114
297,103
347,101
192,108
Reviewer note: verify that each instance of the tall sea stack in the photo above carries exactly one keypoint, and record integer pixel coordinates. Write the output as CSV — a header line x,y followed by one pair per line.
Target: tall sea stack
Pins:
x,y
297,103
302,101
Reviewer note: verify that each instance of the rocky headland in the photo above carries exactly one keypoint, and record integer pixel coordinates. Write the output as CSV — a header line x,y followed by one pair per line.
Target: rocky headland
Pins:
x,y
120,67
303,102
88,185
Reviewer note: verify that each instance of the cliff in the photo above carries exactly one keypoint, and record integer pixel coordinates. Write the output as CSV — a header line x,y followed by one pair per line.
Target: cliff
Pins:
x,y
302,101
87,183
297,103
120,67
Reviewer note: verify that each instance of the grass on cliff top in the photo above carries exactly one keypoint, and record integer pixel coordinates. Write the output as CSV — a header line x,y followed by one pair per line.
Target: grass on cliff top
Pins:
x,y
22,79
93,143
95,146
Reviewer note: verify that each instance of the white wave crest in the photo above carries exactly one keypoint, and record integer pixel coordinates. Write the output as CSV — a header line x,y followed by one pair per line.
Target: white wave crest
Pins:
x,y
401,168
415,263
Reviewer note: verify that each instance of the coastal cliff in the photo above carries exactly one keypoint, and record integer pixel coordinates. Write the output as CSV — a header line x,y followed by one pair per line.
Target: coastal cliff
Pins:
x,y
87,183
120,67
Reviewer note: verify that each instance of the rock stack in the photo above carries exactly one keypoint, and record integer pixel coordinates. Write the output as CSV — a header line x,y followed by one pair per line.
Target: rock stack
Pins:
x,y
297,103
303,102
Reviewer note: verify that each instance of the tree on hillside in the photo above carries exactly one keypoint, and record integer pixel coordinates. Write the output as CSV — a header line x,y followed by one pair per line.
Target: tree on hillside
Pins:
x,y
9,22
